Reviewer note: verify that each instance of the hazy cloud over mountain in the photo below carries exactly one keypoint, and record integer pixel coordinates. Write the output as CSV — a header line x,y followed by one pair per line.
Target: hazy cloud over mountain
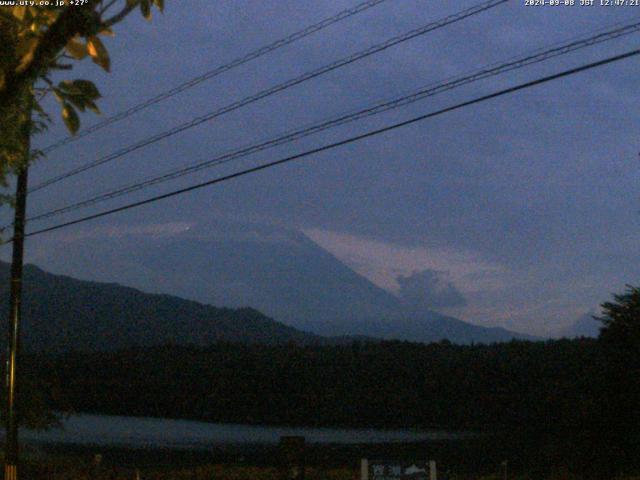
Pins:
x,y
429,289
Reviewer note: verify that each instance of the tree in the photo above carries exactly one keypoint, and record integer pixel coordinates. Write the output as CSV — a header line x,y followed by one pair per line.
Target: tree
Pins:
x,y
619,399
621,319
34,42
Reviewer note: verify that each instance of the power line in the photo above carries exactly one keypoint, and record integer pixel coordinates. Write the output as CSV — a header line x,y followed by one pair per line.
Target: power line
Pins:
x,y
305,32
275,89
431,90
331,146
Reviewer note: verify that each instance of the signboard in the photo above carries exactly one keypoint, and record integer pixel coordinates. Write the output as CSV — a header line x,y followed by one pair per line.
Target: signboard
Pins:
x,y
397,470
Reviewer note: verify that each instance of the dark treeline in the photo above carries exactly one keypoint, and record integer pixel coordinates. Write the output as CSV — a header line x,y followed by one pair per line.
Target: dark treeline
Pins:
x,y
391,384
570,397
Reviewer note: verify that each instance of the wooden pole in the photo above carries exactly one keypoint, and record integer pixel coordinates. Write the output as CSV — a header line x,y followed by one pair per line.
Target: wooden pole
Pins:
x,y
364,469
15,309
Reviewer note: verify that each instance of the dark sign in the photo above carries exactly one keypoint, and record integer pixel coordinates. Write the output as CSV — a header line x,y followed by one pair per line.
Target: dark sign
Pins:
x,y
390,470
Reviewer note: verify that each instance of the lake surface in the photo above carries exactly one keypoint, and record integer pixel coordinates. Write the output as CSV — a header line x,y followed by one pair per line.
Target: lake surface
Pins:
x,y
141,432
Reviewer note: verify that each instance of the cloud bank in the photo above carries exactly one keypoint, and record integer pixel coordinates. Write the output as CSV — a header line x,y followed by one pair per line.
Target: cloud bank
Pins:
x,y
429,289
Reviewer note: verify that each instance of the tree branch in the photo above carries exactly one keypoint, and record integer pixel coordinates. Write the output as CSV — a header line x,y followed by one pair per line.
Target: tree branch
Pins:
x,y
118,17
71,22
107,6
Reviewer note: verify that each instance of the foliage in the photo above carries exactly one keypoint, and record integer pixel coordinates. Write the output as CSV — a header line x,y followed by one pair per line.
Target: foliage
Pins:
x,y
34,42
621,319
619,396
38,40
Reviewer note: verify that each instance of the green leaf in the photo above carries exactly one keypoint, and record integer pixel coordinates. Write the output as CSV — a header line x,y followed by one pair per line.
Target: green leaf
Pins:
x,y
67,87
59,94
87,88
99,53
145,8
76,49
93,107
77,101
107,32
26,49
70,118
80,93
159,4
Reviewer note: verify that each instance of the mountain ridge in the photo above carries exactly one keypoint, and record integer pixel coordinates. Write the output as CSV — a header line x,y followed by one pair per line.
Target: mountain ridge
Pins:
x,y
96,316
280,272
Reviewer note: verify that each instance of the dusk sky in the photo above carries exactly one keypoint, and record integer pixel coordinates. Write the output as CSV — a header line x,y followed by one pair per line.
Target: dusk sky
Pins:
x,y
524,211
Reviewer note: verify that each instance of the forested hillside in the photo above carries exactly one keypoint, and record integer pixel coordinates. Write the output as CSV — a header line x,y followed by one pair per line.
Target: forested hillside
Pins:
x,y
62,313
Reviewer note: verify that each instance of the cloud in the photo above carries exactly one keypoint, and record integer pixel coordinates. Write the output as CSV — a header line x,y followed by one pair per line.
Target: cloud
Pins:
x,y
384,262
429,289
164,229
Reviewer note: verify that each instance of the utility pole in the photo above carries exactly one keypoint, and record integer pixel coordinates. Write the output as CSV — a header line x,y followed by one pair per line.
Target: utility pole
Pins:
x,y
11,439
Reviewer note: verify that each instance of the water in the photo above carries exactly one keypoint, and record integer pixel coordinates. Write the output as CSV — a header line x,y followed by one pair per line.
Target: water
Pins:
x,y
141,432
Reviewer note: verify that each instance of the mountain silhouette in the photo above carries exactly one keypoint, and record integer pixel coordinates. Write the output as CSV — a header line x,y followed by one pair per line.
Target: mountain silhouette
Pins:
x,y
274,270
61,313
